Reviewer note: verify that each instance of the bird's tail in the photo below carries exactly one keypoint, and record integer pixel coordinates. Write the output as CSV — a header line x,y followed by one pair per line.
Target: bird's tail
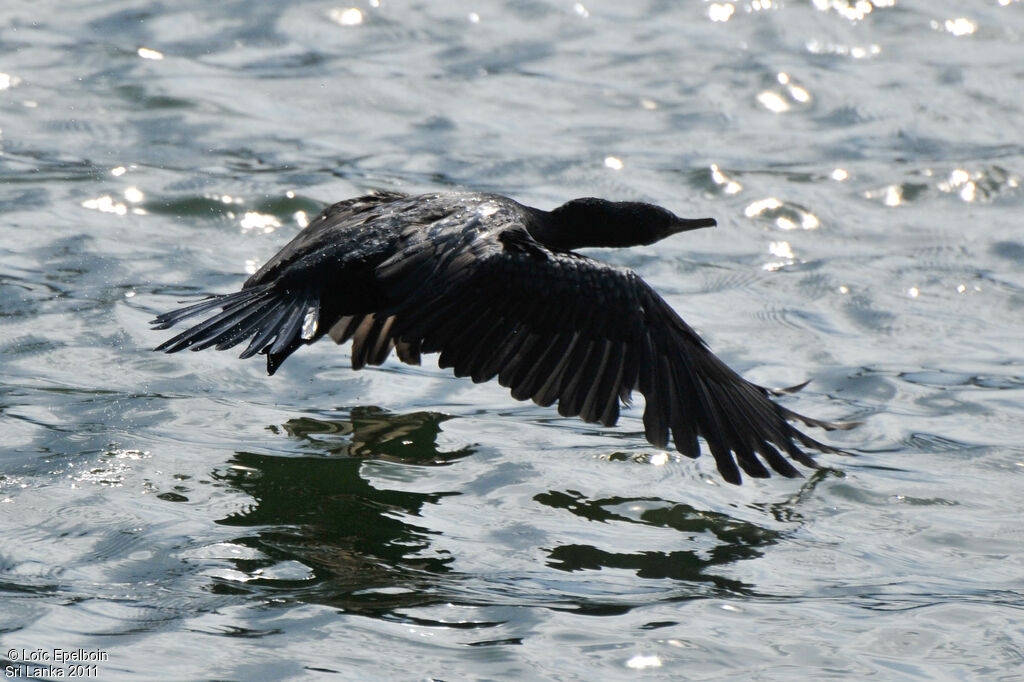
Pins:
x,y
276,320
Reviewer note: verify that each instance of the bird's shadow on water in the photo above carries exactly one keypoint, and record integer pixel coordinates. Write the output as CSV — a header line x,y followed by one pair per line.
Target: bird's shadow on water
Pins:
x,y
358,547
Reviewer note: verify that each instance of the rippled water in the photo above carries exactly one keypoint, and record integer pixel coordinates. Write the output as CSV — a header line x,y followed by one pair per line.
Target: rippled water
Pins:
x,y
188,517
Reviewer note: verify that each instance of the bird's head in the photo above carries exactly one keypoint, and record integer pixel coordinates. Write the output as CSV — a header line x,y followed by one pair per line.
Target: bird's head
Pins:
x,y
596,222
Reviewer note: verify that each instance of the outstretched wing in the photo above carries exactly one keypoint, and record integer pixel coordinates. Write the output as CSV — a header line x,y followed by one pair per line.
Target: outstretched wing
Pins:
x,y
296,295
559,327
551,326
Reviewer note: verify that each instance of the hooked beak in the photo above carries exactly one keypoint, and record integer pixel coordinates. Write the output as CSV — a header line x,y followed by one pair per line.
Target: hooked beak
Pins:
x,y
687,224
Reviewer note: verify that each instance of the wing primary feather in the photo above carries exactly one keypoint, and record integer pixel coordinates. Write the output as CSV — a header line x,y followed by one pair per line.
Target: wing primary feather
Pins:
x,y
613,391
292,325
537,368
227,327
716,434
630,373
766,422
408,351
810,421
799,455
776,461
739,432
343,329
491,343
169,319
597,398
550,390
509,375
683,414
507,349
771,419
655,419
466,342
383,344
485,360
574,375
199,332
586,380
238,326
664,388
246,330
266,334
362,340
713,428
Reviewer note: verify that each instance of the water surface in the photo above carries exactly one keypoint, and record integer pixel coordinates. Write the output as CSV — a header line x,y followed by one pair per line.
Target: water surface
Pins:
x,y
191,518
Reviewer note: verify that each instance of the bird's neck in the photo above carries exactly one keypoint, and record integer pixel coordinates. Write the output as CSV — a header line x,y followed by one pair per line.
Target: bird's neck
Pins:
x,y
561,232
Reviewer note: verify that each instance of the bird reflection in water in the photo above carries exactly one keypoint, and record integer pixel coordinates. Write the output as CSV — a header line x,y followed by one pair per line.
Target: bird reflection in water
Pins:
x,y
320,510
375,433
323,530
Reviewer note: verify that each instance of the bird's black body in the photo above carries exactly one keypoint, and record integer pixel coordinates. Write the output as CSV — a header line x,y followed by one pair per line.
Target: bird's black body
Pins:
x,y
494,287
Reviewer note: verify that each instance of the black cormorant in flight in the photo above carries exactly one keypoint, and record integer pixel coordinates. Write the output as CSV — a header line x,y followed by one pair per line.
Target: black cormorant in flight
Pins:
x,y
495,288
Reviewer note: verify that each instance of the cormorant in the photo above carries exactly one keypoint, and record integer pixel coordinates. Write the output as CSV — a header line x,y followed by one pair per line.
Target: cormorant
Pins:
x,y
495,287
